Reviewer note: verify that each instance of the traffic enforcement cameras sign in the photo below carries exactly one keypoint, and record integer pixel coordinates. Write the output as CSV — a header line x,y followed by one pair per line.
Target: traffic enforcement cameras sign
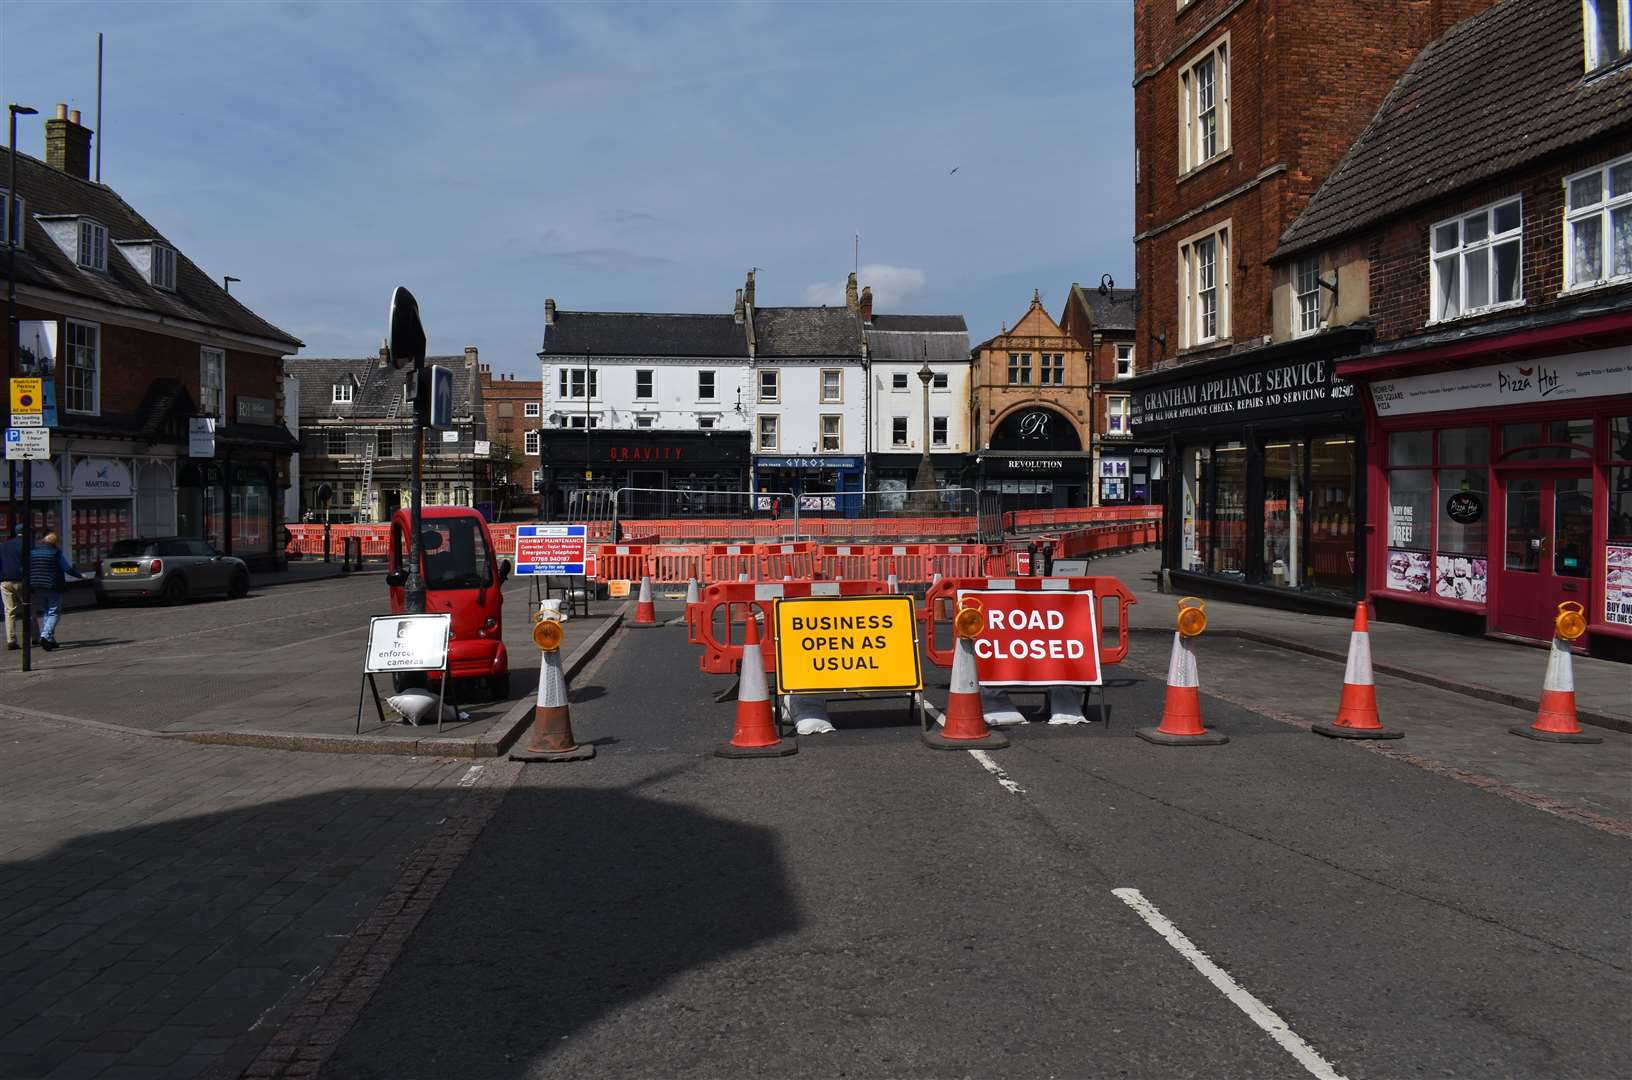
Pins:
x,y
1036,638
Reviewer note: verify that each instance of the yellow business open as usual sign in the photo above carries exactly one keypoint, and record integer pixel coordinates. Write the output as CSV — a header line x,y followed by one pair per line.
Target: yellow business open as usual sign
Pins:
x,y
835,644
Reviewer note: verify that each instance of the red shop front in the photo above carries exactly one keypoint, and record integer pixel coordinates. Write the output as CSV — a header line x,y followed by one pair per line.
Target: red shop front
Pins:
x,y
1499,490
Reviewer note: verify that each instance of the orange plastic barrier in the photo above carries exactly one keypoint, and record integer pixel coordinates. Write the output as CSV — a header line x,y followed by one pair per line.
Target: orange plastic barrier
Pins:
x,y
675,565
943,598
621,562
728,562
722,654
844,562
796,560
905,561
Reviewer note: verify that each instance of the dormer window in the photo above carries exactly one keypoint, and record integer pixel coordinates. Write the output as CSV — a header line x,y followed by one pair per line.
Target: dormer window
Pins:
x,y
93,245
163,274
342,392
1607,26
12,216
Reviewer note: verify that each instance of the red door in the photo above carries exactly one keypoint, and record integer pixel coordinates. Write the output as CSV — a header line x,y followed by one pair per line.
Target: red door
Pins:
x,y
1546,549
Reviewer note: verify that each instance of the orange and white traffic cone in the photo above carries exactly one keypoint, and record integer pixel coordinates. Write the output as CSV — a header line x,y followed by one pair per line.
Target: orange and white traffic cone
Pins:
x,y
645,611
1555,719
756,734
551,738
964,724
1357,709
1181,711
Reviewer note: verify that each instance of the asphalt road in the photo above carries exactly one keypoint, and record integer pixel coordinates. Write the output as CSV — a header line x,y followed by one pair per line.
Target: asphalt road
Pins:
x,y
870,907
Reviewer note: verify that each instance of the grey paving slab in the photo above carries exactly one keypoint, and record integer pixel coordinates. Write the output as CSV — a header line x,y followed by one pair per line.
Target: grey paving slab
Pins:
x,y
150,934
1501,666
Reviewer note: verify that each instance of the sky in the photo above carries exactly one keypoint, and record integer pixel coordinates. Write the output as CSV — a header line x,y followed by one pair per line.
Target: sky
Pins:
x,y
615,157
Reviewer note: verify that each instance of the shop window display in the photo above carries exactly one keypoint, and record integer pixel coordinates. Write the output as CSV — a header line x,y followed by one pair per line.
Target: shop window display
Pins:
x,y
1618,524
1332,471
1284,512
1438,504
1230,509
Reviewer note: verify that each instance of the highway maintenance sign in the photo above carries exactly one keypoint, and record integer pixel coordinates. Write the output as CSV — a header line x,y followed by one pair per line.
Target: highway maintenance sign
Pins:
x,y
840,644
1037,638
550,549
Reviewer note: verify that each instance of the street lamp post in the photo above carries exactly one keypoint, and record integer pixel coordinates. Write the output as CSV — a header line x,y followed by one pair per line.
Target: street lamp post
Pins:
x,y
14,222
925,498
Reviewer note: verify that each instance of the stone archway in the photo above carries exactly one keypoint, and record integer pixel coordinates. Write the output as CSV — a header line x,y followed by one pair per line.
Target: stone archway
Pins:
x,y
1035,428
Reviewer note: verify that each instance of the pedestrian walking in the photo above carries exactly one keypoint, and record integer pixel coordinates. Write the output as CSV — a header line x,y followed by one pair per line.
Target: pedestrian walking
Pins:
x,y
48,574
11,586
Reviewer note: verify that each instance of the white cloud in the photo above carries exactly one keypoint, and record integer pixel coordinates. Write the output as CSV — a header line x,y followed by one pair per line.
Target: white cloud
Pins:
x,y
892,286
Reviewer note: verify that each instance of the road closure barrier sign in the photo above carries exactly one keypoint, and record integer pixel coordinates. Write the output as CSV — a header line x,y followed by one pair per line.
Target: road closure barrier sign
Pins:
x,y
1037,638
838,644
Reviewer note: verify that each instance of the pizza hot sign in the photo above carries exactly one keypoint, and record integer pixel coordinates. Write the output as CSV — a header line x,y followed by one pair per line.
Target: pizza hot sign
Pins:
x,y
1037,638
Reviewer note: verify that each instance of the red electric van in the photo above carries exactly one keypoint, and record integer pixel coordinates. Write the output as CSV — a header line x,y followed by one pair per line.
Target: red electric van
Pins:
x,y
463,577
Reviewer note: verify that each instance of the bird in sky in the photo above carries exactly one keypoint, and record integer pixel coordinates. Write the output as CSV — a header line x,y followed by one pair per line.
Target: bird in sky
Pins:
x,y
955,168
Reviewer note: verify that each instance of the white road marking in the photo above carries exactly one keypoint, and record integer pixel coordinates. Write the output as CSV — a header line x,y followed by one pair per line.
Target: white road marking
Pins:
x,y
1256,1010
470,778
996,770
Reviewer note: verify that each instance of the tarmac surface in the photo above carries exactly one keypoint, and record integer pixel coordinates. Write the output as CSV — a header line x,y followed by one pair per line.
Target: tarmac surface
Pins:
x,y
1449,904
870,907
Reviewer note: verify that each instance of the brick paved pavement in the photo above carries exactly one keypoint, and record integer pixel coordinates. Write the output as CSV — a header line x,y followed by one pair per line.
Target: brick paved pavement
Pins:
x,y
165,906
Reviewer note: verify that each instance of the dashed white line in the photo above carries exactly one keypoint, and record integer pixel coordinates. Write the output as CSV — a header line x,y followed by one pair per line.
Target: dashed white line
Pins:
x,y
1256,1010
996,770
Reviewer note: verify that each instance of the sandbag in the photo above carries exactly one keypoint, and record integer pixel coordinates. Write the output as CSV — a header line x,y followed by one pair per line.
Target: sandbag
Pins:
x,y
419,707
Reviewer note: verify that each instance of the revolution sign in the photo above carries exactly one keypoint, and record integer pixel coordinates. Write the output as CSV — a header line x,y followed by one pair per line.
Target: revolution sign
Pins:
x,y
836,644
1037,638
550,549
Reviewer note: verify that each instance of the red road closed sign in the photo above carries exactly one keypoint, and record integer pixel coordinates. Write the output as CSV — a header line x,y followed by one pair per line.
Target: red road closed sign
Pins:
x,y
1037,638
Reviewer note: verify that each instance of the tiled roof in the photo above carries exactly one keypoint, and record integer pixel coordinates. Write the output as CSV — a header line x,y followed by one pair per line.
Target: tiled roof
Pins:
x,y
1495,92
792,332
625,333
1116,310
49,192
377,386
918,337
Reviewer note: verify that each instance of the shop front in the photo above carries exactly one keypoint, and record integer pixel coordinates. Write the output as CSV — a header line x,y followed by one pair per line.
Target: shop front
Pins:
x,y
1264,457
1128,474
822,483
1504,490
1035,481
667,473
893,475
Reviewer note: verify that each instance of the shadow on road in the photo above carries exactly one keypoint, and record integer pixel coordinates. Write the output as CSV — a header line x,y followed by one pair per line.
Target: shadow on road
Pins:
x,y
575,903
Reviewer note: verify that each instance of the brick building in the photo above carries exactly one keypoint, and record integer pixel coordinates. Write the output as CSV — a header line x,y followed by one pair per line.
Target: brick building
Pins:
x,y
1103,320
514,410
357,438
1031,413
1498,382
1241,109
137,346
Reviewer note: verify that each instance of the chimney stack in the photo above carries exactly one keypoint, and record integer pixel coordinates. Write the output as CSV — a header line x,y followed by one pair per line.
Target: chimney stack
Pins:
x,y
867,304
68,144
748,290
385,354
851,301
549,312
470,356
737,312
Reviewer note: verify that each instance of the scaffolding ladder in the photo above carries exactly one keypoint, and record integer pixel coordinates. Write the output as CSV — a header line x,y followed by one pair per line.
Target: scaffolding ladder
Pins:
x,y
371,449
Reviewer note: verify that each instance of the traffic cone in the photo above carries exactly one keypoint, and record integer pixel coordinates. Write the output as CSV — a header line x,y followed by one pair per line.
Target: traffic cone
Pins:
x,y
1181,712
552,723
1357,709
645,612
1555,719
965,722
891,585
756,734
